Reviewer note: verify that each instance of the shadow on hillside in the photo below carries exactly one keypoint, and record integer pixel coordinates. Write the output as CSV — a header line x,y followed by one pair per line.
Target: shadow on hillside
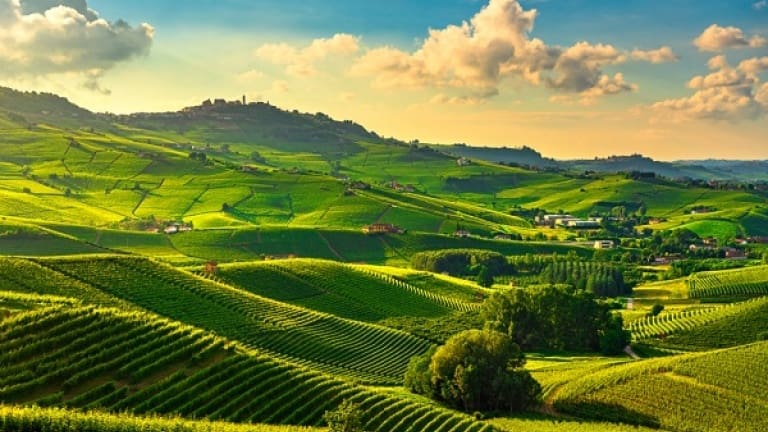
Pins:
x,y
601,411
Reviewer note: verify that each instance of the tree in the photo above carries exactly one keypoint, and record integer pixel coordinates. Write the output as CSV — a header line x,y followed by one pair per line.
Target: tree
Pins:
x,y
656,310
477,370
347,417
256,157
417,377
613,338
484,277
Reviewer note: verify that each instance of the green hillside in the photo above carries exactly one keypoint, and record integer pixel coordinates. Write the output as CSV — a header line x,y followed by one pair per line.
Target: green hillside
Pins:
x,y
256,165
746,281
345,291
120,361
317,340
707,391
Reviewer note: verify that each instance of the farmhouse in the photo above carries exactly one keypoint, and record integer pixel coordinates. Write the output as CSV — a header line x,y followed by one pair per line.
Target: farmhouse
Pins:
x,y
382,228
582,224
502,237
462,161
605,244
550,219
735,254
462,233
176,227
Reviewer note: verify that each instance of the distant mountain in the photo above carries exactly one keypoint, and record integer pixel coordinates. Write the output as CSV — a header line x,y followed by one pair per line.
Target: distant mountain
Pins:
x,y
693,169
755,169
29,108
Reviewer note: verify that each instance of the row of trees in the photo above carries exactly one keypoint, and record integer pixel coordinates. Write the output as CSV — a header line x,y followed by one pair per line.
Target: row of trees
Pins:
x,y
601,279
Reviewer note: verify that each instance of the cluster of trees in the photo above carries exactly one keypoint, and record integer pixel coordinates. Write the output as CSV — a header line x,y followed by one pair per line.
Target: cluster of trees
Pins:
x,y
198,156
687,267
462,262
558,317
601,279
476,370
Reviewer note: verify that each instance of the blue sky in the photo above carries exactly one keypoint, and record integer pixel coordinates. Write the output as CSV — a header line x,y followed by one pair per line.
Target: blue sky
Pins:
x,y
593,77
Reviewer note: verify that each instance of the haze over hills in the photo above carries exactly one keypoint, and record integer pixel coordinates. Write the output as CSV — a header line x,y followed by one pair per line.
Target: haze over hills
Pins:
x,y
706,169
262,123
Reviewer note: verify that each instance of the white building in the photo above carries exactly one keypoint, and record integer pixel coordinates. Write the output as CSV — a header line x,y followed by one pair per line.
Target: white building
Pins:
x,y
604,244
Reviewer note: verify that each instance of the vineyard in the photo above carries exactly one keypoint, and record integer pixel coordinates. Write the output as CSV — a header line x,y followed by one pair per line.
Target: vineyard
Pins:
x,y
20,419
747,281
665,392
365,352
339,289
692,320
115,361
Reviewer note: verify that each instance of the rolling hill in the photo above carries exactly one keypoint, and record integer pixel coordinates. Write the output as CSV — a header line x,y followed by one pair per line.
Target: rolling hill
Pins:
x,y
207,269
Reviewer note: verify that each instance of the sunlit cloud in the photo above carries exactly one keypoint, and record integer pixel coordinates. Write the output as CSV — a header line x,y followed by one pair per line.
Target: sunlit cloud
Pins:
x,y
495,44
656,56
727,93
43,37
301,61
717,38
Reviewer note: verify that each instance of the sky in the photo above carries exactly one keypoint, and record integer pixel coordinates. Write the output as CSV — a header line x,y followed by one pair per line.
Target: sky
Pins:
x,y
679,79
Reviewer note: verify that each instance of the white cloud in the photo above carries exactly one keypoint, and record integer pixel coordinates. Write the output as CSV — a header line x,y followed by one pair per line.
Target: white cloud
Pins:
x,y
717,38
42,37
495,44
760,5
726,93
301,61
660,55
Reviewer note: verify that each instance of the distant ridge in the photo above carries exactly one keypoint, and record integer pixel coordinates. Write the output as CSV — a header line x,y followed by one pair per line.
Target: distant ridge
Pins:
x,y
262,123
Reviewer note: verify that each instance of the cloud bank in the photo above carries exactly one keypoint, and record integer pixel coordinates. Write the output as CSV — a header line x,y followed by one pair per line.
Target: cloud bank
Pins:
x,y
42,37
475,57
496,44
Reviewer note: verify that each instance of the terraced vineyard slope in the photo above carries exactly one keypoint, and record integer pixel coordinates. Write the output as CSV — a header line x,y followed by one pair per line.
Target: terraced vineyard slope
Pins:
x,y
694,392
670,325
744,281
325,342
118,361
348,291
